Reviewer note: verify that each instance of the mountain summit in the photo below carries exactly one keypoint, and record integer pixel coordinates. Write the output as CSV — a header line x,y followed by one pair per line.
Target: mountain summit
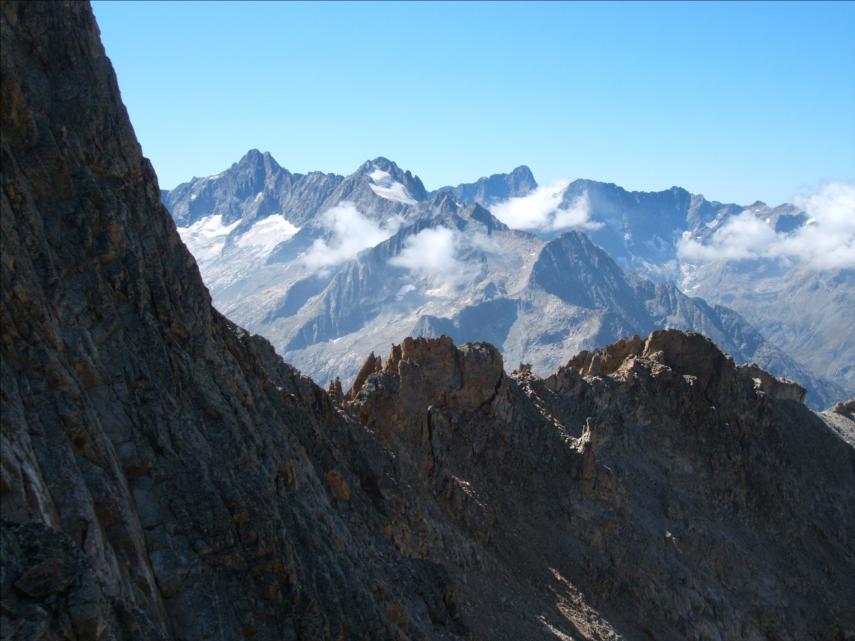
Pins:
x,y
496,188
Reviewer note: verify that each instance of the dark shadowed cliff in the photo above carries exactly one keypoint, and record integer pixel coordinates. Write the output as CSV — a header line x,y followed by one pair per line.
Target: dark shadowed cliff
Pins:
x,y
164,475
177,480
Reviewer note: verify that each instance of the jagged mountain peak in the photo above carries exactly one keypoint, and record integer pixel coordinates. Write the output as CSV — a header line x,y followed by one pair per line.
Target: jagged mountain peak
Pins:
x,y
384,175
523,172
687,354
574,244
429,371
489,190
255,158
380,162
580,273
476,212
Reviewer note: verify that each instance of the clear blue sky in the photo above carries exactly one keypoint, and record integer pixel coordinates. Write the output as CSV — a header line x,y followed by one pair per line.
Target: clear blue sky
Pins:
x,y
736,101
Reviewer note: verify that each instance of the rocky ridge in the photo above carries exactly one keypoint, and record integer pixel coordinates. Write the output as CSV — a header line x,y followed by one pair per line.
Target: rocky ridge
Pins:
x,y
641,484
164,475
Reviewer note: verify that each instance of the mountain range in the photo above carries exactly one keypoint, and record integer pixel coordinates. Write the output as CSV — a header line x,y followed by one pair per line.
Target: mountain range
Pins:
x,y
330,267
166,476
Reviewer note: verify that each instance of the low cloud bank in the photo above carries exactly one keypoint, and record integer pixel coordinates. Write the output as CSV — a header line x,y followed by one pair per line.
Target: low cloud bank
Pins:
x,y
442,257
825,241
432,253
351,233
541,210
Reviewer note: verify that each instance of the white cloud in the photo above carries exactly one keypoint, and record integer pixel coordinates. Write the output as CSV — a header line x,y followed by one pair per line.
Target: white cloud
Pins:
x,y
541,210
431,253
533,210
351,233
441,256
825,241
577,215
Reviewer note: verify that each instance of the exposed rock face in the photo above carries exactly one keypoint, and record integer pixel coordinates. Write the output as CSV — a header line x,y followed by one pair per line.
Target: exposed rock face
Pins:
x,y
164,475
686,353
496,188
654,488
175,478
845,408
256,186
426,372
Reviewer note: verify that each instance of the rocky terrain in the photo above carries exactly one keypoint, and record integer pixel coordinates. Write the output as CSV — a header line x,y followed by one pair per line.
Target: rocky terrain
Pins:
x,y
165,475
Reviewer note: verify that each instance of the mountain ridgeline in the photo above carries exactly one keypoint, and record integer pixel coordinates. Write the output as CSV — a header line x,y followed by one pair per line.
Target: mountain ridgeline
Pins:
x,y
164,475
365,260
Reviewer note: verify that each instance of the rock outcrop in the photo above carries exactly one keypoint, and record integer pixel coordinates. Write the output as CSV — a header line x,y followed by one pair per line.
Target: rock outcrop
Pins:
x,y
654,488
686,353
164,475
845,408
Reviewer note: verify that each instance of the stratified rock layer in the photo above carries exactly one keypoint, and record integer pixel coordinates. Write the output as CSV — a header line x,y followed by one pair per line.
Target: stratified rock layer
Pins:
x,y
164,475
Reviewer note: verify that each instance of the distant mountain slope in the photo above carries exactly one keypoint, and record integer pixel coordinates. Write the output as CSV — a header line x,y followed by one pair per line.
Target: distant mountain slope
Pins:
x,y
318,221
807,312
810,314
435,267
493,189
256,186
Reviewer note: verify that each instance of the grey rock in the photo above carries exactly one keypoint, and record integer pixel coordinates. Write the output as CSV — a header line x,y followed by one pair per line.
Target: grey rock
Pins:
x,y
493,189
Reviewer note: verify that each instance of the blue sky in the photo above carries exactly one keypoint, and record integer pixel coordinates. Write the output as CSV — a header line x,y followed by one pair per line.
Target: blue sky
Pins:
x,y
736,101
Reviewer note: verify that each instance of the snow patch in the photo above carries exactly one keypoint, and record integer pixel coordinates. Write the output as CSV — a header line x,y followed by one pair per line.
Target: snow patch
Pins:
x,y
396,192
383,185
267,233
207,236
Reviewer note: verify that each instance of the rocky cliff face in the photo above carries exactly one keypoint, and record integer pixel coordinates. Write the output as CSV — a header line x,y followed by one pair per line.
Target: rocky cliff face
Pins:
x,y
649,490
256,187
490,190
164,475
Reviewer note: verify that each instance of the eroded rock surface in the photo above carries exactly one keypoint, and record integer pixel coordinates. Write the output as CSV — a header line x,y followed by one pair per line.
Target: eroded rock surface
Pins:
x,y
210,490
164,475
654,488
